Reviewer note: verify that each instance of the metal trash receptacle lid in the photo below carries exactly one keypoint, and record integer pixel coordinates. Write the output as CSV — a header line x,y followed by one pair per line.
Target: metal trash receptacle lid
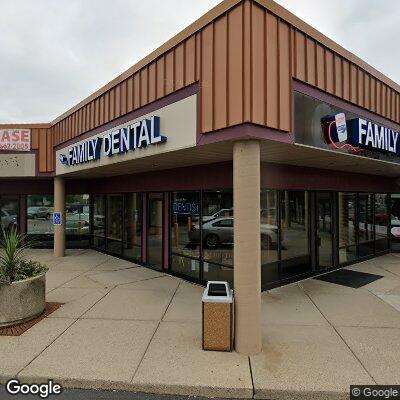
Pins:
x,y
217,292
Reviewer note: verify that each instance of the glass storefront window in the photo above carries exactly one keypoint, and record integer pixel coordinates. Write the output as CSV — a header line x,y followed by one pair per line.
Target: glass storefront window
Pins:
x,y
381,222
214,272
99,222
77,225
114,223
133,226
217,227
365,224
347,227
269,236
39,226
395,221
185,233
294,225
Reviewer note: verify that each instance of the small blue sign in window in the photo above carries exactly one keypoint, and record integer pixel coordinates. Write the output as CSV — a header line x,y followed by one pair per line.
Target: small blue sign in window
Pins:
x,y
57,218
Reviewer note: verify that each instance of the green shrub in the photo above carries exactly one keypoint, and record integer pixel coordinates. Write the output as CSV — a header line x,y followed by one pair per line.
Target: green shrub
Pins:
x,y
13,265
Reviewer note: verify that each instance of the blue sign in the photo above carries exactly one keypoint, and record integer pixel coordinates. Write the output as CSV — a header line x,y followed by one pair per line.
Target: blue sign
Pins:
x,y
360,134
186,208
57,218
138,135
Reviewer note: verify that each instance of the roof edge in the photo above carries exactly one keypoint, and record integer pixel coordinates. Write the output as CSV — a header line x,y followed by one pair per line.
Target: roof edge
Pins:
x,y
26,125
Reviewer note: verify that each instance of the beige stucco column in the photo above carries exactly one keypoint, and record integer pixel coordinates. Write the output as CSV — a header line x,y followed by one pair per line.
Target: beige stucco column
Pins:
x,y
59,206
247,247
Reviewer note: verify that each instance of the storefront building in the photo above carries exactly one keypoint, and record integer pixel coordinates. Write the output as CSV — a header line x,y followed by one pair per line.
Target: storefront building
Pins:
x,y
248,148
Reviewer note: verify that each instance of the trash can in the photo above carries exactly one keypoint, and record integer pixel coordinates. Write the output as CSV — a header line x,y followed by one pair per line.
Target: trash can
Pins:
x,y
217,305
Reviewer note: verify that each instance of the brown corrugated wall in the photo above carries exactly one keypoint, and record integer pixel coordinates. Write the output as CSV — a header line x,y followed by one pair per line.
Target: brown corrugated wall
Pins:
x,y
244,62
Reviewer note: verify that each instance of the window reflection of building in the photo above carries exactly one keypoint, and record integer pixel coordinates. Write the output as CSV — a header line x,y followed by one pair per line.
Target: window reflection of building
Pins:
x,y
77,224
381,221
114,223
347,227
185,234
133,226
365,224
395,221
39,227
269,236
217,235
99,222
295,254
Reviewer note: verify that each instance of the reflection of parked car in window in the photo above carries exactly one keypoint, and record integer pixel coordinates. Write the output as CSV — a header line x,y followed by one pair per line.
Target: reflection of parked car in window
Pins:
x,y
39,212
225,212
220,231
77,224
8,221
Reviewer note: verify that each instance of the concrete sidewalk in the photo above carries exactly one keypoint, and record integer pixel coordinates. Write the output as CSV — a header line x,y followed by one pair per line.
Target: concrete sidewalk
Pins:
x,y
131,328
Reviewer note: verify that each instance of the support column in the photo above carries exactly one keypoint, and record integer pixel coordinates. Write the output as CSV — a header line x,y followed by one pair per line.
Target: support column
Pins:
x,y
59,206
247,246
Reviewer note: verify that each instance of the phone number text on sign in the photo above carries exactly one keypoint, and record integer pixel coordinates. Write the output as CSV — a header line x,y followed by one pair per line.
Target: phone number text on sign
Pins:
x,y
15,139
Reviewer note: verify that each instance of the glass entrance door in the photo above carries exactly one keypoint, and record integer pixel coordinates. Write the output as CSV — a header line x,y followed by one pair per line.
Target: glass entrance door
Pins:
x,y
9,209
155,229
324,230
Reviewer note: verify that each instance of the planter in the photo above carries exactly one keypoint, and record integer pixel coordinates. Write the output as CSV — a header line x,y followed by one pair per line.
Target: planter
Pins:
x,y
22,300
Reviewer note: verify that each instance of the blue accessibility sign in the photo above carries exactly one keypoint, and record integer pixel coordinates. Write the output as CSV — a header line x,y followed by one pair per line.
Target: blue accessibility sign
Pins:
x,y
57,218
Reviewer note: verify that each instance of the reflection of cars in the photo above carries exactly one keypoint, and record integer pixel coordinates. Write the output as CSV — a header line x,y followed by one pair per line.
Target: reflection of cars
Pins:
x,y
225,212
220,231
39,212
77,224
8,221
98,221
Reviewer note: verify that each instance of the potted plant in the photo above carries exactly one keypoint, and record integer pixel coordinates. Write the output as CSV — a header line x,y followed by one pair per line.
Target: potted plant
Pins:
x,y
22,281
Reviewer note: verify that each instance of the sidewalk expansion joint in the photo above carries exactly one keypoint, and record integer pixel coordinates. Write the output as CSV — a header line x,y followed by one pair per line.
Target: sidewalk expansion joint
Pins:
x,y
252,379
341,337
154,333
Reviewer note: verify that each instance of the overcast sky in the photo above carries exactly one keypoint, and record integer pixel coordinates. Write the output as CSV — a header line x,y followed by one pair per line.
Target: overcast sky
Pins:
x,y
54,53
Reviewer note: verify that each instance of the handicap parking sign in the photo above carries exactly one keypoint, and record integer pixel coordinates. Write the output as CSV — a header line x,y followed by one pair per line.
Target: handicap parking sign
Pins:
x,y
57,219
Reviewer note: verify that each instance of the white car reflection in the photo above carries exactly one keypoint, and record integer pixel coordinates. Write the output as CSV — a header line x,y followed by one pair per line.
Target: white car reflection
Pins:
x,y
220,231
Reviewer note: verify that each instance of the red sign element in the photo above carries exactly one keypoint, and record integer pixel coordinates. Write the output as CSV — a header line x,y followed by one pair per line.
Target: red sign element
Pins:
x,y
15,139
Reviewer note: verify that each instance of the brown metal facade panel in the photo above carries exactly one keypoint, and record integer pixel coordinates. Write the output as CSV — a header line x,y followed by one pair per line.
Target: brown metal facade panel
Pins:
x,y
329,73
272,73
43,150
117,101
320,70
235,66
353,84
160,77
207,79
247,60
285,78
136,90
169,72
300,56
220,71
144,92
34,139
310,62
152,82
258,66
179,66
190,60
